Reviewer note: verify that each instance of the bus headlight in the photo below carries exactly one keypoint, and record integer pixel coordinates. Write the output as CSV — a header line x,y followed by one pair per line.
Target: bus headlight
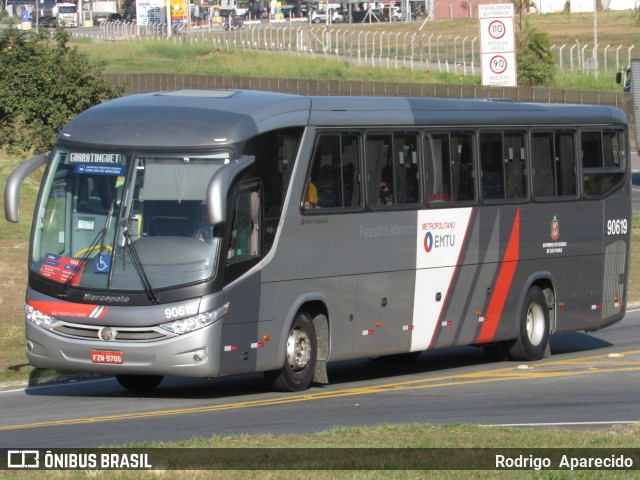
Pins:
x,y
37,317
190,324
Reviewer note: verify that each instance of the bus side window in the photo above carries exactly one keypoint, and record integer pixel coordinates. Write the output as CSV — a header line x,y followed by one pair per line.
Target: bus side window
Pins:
x,y
245,238
566,169
379,170
503,164
334,178
554,164
542,160
275,153
462,180
603,161
449,160
515,167
405,163
392,169
491,162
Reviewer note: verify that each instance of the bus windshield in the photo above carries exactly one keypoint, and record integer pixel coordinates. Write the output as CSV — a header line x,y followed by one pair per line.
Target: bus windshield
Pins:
x,y
121,221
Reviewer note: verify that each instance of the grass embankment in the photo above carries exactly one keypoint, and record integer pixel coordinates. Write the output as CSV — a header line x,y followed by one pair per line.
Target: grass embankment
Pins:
x,y
165,56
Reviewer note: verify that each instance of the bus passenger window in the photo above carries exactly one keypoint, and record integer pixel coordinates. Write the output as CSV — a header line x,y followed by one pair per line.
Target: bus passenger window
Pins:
x,y
603,161
449,160
503,163
515,167
542,160
392,169
554,164
566,169
491,162
334,179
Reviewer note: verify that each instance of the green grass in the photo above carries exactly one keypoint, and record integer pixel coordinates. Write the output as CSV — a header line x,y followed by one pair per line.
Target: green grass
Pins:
x,y
166,56
386,436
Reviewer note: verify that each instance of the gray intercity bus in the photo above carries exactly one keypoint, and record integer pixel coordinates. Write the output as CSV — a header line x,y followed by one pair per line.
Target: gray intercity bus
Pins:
x,y
210,233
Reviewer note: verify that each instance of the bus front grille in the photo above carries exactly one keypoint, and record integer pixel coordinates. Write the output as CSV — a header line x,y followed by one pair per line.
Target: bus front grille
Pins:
x,y
122,335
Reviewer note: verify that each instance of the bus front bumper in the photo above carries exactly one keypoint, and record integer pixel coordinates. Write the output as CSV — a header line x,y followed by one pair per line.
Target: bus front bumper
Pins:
x,y
193,354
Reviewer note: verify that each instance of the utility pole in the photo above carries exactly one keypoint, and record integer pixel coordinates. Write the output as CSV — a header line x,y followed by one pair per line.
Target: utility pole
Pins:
x,y
595,37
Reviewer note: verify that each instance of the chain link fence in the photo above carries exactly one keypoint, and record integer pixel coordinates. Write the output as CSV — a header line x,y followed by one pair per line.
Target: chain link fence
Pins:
x,y
357,44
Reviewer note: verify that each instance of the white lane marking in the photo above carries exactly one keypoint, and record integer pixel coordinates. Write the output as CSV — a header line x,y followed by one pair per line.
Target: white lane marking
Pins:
x,y
562,424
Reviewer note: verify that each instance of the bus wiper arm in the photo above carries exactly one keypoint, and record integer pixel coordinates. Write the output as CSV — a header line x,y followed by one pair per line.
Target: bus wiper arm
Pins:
x,y
99,240
137,263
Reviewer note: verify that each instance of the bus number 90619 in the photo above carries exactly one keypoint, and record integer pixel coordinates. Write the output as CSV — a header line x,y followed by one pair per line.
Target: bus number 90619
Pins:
x,y
181,311
617,227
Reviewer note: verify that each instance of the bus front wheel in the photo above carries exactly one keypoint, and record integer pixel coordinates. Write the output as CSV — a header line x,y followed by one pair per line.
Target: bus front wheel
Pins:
x,y
139,383
534,328
301,350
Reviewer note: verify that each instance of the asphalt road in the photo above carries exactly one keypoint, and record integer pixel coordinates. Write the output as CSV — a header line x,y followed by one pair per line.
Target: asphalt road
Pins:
x,y
591,380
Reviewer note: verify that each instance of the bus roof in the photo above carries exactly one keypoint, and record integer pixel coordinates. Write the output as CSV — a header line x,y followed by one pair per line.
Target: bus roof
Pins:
x,y
204,118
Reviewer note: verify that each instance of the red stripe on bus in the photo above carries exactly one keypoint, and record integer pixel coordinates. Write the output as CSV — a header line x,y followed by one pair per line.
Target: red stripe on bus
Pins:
x,y
64,309
499,297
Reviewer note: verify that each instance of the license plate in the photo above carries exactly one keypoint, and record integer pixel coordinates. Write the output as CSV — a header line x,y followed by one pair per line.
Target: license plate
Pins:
x,y
98,356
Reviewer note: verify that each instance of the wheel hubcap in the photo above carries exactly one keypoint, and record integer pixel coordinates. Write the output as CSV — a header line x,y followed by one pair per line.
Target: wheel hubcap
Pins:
x,y
298,351
535,324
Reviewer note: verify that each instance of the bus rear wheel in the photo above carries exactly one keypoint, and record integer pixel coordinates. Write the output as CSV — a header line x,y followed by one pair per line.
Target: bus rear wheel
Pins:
x,y
139,383
299,366
534,328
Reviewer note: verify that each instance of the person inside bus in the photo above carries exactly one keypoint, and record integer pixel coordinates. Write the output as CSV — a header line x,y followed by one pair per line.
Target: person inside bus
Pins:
x,y
386,195
310,195
204,231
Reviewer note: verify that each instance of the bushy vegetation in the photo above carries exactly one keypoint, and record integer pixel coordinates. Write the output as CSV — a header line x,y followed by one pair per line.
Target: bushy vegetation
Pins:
x,y
536,63
43,84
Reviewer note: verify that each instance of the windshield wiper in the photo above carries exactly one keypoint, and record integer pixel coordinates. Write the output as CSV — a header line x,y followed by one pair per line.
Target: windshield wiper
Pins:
x,y
137,263
99,240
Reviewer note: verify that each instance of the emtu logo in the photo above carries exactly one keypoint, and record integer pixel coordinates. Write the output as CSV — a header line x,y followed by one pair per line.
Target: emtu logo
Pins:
x,y
428,242
432,241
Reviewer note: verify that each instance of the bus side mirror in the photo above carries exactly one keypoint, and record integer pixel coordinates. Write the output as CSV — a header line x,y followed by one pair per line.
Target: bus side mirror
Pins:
x,y
219,185
618,78
12,187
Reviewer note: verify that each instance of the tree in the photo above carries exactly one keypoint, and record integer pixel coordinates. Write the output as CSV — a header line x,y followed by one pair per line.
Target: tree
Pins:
x,y
536,63
43,84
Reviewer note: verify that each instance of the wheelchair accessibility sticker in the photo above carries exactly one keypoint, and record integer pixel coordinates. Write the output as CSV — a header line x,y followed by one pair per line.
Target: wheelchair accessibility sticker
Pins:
x,y
102,264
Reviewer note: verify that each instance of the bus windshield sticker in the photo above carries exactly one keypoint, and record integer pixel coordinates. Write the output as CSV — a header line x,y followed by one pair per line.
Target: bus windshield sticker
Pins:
x,y
113,170
59,268
102,263
108,158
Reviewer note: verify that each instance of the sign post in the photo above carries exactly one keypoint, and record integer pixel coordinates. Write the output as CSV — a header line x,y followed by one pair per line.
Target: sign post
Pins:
x,y
497,45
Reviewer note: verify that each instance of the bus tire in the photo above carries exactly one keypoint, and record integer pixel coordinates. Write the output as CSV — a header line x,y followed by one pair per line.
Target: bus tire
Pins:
x,y
139,383
301,351
534,328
